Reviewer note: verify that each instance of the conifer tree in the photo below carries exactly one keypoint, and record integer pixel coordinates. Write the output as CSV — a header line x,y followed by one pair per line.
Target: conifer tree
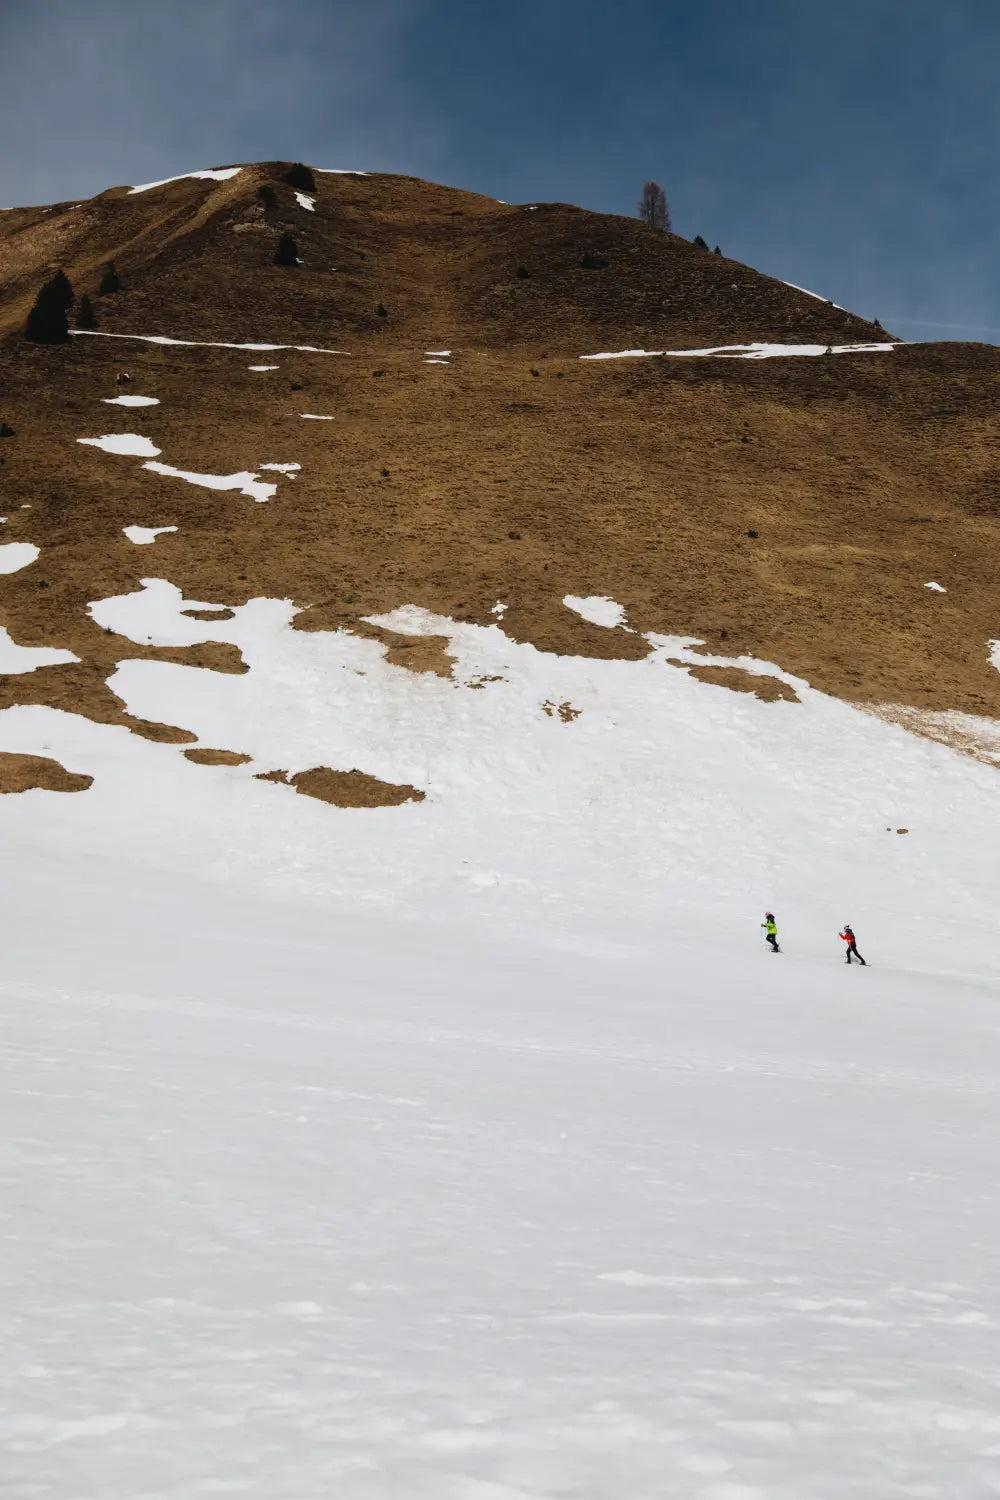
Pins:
x,y
299,176
287,253
47,321
110,282
85,314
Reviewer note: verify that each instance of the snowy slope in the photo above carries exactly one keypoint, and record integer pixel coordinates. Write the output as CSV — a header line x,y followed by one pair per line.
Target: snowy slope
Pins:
x,y
475,1149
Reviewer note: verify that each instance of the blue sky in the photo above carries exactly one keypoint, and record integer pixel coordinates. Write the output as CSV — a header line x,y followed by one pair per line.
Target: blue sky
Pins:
x,y
850,147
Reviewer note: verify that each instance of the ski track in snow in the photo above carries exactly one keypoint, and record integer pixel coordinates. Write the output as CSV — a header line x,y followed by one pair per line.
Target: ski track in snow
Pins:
x,y
474,1149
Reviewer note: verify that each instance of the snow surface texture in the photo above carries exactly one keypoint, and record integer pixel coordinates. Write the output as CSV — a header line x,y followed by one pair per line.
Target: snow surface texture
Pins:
x,y
217,175
17,659
131,401
130,444
17,555
304,201
162,338
476,1149
746,351
143,536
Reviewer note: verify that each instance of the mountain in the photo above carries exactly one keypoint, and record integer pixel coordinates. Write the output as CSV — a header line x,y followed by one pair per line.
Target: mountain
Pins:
x,y
406,721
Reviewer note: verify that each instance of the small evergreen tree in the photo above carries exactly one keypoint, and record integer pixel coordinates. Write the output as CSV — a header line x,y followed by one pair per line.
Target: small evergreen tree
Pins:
x,y
47,321
267,195
287,253
381,311
702,244
716,251
653,208
299,177
111,282
85,314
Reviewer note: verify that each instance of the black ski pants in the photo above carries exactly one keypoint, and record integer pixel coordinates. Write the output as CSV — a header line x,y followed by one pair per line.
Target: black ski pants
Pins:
x,y
772,938
852,947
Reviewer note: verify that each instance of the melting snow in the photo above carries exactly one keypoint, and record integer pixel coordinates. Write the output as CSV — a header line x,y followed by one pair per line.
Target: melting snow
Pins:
x,y
937,587
131,444
596,609
130,401
219,174
282,468
746,351
304,201
476,1148
247,483
263,367
438,353
17,555
438,362
340,172
144,535
311,416
162,338
18,659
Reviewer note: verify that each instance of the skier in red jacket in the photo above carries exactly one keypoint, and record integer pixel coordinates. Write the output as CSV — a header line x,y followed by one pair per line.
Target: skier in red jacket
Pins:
x,y
852,943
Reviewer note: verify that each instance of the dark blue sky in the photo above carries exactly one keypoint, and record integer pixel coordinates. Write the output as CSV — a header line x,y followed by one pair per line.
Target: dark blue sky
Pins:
x,y
846,145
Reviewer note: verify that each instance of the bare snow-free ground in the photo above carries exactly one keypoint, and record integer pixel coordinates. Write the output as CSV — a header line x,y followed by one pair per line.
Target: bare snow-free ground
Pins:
x,y
476,1149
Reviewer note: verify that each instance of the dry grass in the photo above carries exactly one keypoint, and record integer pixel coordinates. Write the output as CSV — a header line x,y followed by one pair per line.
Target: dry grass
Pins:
x,y
22,773
345,788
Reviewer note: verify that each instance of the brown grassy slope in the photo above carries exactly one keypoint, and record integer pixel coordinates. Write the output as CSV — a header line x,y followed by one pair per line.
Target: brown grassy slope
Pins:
x,y
195,257
865,476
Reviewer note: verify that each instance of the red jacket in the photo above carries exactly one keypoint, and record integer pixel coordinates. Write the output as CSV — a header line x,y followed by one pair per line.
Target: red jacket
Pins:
x,y
848,936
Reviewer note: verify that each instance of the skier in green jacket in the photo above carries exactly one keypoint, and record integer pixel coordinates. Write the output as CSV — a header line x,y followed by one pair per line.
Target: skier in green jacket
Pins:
x,y
769,927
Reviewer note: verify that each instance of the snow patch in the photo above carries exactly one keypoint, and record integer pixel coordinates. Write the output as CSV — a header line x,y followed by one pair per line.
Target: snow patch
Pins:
x,y
263,367
312,416
340,172
437,353
304,201
216,174
16,659
162,338
282,468
130,401
143,536
597,610
17,555
937,587
246,482
131,444
747,351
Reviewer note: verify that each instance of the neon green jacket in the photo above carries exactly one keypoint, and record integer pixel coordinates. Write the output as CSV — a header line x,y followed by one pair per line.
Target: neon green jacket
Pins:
x,y
771,928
